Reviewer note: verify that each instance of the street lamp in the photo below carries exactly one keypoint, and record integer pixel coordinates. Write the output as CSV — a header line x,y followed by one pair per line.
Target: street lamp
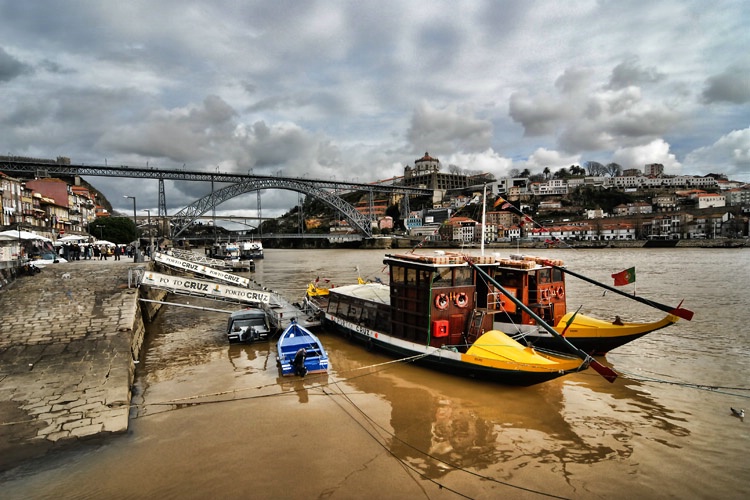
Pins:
x,y
135,223
20,246
150,233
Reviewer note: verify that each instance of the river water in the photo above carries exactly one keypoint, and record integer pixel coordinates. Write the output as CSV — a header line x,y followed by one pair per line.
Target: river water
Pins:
x,y
214,420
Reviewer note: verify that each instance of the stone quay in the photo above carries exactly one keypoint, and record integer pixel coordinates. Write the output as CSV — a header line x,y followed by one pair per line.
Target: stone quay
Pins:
x,y
69,340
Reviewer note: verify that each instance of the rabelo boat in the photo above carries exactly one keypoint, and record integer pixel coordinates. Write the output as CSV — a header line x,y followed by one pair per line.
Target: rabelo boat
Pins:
x,y
435,312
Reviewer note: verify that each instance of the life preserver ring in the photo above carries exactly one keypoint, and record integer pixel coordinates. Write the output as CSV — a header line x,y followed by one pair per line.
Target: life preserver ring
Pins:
x,y
560,292
462,300
545,293
441,301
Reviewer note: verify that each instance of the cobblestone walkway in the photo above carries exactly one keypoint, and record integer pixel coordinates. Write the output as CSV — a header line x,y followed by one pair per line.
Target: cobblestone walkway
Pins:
x,y
65,355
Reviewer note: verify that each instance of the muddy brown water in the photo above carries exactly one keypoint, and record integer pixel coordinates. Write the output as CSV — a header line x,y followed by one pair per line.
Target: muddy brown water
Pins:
x,y
215,420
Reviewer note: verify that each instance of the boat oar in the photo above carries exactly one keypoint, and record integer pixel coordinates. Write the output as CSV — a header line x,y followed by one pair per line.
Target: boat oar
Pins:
x,y
605,371
676,311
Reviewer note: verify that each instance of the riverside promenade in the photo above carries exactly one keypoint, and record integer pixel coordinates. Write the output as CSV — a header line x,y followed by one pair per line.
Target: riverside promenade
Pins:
x,y
68,338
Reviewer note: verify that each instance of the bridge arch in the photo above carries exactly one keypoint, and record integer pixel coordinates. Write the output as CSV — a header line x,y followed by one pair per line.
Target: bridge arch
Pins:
x,y
189,214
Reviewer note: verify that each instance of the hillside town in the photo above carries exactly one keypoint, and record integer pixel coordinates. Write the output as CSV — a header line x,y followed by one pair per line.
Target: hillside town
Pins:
x,y
575,204
570,205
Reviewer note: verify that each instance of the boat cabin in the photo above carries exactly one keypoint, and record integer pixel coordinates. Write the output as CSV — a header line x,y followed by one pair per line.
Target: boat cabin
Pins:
x,y
459,306
225,251
433,300
539,286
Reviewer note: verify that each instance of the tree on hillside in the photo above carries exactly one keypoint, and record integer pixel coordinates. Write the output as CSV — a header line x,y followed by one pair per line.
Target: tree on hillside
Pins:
x,y
595,168
590,197
561,173
394,212
120,230
576,170
613,169
536,178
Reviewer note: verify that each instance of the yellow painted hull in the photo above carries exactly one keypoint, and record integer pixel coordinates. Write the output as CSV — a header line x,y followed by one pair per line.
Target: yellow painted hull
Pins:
x,y
596,336
494,349
314,291
584,326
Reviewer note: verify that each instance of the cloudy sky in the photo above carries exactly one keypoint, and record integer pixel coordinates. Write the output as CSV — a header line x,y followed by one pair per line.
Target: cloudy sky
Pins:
x,y
356,90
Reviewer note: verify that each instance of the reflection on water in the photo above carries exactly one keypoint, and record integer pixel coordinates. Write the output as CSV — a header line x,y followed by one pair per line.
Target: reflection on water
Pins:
x,y
298,386
439,423
247,359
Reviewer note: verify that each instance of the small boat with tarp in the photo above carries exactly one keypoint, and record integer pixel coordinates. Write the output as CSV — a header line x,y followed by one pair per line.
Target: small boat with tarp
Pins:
x,y
248,325
299,352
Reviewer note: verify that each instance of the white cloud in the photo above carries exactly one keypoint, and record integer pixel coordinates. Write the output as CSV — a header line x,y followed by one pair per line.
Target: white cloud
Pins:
x,y
657,151
729,155
487,161
544,158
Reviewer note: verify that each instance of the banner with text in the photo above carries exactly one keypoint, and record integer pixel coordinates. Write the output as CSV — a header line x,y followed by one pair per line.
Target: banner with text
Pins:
x,y
201,269
182,284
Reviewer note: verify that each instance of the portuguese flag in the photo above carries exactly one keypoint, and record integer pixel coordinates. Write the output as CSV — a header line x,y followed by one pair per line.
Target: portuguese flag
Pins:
x,y
624,277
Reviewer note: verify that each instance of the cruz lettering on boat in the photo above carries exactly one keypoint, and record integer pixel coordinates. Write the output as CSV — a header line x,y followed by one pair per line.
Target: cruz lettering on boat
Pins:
x,y
192,285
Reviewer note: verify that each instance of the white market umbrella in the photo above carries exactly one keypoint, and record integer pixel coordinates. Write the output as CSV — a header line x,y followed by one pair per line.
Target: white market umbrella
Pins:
x,y
12,234
73,237
104,242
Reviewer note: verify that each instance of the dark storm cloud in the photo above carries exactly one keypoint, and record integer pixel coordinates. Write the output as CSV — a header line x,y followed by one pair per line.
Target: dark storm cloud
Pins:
x,y
629,72
180,135
731,86
10,67
444,131
586,118
539,115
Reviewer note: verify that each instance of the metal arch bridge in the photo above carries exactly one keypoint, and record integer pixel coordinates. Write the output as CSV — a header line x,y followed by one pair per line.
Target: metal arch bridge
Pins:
x,y
240,184
185,217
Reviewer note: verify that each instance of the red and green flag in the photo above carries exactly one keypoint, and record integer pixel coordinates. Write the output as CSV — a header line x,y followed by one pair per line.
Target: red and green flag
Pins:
x,y
506,205
624,277
570,321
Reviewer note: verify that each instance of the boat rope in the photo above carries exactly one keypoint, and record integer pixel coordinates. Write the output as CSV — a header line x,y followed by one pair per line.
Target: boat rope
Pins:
x,y
194,400
719,389
407,359
380,430
378,439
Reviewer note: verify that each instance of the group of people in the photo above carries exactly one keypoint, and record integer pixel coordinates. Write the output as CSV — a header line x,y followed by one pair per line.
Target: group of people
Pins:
x,y
88,251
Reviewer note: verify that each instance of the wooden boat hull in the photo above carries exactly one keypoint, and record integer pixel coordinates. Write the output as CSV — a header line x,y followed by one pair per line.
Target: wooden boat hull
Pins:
x,y
300,352
496,357
595,336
